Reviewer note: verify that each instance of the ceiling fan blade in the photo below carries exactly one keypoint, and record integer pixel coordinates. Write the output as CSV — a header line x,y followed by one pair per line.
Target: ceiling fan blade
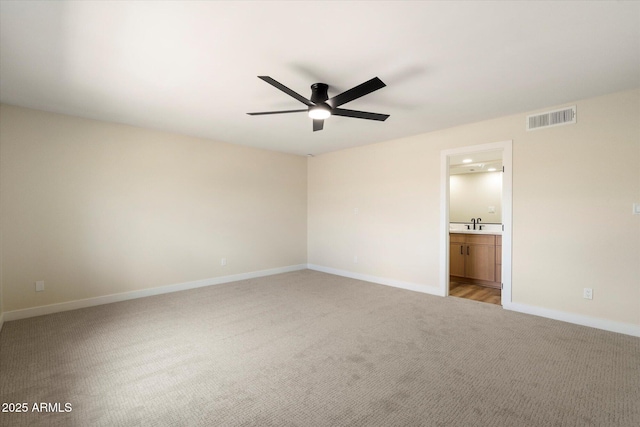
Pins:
x,y
286,90
318,124
276,112
356,92
359,114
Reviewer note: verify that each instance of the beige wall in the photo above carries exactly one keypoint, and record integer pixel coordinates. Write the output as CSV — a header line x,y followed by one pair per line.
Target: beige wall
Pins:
x,y
94,208
573,190
471,195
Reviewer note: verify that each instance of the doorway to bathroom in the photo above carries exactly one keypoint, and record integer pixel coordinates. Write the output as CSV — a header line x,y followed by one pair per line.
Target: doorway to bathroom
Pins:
x,y
476,222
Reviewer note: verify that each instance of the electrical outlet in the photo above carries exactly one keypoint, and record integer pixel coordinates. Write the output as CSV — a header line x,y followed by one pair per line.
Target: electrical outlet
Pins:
x,y
355,259
587,293
223,261
40,286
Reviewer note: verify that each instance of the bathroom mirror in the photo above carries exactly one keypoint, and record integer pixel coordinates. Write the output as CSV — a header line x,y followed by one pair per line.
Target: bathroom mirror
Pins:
x,y
475,187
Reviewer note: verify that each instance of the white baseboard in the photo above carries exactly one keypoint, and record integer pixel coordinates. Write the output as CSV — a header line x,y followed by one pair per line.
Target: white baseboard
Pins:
x,y
107,299
607,325
417,287
578,319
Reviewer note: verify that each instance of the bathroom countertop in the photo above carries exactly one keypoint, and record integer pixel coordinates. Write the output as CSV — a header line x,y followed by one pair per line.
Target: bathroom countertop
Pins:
x,y
486,229
497,233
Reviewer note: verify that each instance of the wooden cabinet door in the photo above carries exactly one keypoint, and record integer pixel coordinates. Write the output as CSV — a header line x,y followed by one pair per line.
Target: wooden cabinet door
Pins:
x,y
481,262
456,259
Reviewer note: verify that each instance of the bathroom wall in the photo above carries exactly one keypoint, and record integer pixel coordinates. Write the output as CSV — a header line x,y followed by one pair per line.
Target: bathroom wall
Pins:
x,y
472,195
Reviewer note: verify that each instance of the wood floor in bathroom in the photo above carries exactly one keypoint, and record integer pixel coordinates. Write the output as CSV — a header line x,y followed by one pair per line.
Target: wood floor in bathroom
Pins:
x,y
475,292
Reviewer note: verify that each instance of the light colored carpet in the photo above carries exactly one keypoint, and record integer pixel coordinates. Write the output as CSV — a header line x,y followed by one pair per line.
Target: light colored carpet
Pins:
x,y
312,349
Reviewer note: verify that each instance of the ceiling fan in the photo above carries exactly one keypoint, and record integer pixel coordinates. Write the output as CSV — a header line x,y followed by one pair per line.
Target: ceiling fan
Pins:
x,y
320,107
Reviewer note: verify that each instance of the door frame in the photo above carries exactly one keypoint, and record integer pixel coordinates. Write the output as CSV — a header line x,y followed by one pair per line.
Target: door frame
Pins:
x,y
507,212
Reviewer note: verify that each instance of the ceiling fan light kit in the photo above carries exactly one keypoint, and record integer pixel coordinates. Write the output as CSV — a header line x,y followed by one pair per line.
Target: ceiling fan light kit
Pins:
x,y
320,107
320,112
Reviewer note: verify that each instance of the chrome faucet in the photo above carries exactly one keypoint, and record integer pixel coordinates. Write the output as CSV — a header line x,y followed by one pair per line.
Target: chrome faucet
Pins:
x,y
473,220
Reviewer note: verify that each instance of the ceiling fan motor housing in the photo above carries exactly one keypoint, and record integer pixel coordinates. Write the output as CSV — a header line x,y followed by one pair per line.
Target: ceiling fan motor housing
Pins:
x,y
319,92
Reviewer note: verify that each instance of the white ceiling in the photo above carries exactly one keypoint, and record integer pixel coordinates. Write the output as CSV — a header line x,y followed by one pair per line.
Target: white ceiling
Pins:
x,y
475,163
191,67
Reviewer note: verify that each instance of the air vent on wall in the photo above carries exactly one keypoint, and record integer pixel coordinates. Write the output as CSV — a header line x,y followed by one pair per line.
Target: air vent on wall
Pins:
x,y
549,119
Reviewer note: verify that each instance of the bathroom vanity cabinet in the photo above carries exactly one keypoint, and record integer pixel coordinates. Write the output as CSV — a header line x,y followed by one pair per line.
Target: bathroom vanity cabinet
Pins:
x,y
473,258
